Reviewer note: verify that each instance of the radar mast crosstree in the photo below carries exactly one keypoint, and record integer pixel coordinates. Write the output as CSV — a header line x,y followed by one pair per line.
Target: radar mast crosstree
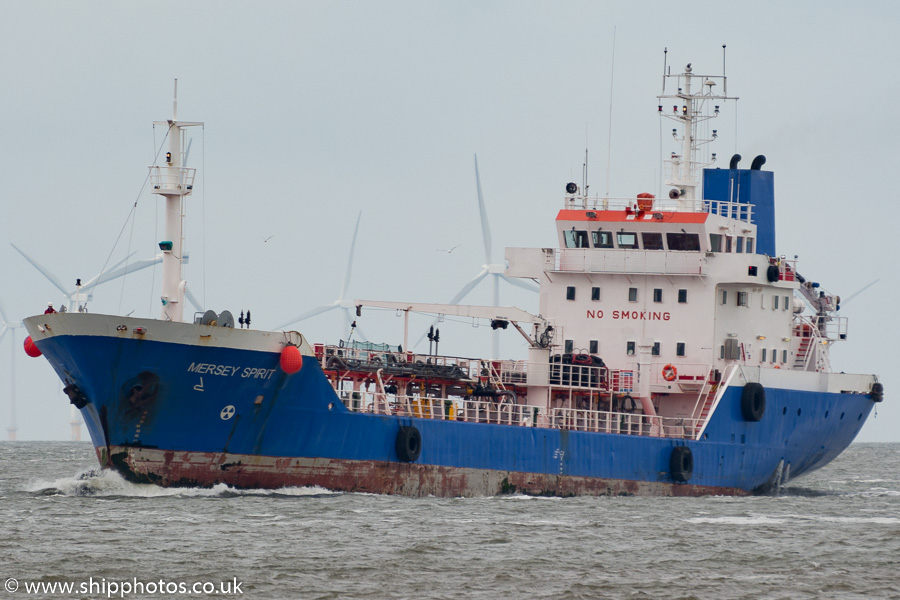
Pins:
x,y
695,108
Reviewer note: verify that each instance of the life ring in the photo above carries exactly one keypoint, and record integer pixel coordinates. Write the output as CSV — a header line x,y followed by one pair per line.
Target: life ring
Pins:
x,y
669,373
409,443
753,402
681,464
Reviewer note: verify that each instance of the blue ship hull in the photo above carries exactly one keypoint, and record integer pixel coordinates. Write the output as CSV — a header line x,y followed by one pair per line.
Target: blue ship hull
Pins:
x,y
188,414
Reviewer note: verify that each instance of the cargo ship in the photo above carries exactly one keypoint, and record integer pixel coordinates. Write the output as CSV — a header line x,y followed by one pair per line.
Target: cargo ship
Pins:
x,y
675,352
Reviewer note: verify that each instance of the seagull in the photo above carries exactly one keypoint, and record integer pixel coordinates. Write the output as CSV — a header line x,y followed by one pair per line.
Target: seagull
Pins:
x,y
268,238
448,251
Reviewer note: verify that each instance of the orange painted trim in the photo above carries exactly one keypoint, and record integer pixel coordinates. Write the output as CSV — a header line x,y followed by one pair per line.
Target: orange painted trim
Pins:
x,y
620,216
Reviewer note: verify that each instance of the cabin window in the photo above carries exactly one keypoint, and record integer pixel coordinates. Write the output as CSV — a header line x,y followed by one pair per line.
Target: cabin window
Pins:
x,y
739,244
602,239
679,349
595,294
783,356
655,350
594,347
629,348
652,240
749,245
682,296
715,242
743,298
774,354
685,242
627,240
724,296
569,346
576,239
632,294
786,300
728,239
657,295
722,351
570,292
774,302
763,355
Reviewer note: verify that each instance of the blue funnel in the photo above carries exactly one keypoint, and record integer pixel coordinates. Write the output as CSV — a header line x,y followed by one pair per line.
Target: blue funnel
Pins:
x,y
747,186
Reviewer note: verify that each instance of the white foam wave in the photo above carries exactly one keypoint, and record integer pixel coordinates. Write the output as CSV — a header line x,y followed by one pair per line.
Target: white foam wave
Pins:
x,y
105,482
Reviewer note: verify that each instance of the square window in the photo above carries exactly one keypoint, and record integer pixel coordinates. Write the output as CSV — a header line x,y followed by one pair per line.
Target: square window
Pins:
x,y
655,351
652,240
602,239
682,296
595,294
570,292
626,240
632,294
679,349
657,295
569,346
595,347
629,348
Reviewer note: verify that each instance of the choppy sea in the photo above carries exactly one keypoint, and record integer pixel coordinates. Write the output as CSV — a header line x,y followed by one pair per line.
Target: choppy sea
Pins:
x,y
832,534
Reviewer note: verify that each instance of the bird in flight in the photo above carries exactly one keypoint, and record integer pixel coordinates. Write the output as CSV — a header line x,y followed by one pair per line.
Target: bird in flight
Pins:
x,y
268,238
448,251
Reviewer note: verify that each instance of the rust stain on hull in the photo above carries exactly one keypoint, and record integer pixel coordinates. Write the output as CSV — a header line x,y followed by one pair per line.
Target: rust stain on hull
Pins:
x,y
205,469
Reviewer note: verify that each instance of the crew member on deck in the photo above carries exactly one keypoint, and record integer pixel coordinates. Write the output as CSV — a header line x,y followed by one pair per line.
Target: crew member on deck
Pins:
x,y
50,309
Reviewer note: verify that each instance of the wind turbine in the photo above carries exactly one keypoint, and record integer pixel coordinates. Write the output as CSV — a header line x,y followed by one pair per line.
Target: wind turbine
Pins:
x,y
78,298
341,302
496,271
7,327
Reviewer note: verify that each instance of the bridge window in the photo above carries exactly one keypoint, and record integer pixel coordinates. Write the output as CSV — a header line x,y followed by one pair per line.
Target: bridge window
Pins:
x,y
688,242
576,239
570,292
749,245
682,296
626,240
715,242
652,240
728,239
739,244
602,239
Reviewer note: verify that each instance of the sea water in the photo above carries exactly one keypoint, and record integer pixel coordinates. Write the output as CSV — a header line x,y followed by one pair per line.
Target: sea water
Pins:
x,y
65,522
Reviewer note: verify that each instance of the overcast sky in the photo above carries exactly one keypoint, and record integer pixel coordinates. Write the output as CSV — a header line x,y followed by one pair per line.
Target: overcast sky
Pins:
x,y
315,111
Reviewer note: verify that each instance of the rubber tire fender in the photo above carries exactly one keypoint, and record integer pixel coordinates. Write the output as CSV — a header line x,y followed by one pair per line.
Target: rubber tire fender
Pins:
x,y
772,273
753,402
681,464
409,443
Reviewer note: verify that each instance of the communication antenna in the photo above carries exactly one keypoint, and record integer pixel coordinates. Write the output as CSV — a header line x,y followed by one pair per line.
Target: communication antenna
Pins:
x,y
724,79
665,58
609,141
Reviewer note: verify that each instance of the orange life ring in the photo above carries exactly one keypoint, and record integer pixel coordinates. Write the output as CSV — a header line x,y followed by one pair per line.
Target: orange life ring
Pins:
x,y
669,373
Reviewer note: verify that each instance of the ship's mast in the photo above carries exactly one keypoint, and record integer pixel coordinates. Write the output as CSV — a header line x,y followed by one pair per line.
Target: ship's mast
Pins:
x,y
173,182
695,107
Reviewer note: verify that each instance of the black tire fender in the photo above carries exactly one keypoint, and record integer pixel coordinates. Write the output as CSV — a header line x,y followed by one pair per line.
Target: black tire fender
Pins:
x,y
681,464
773,274
409,443
753,402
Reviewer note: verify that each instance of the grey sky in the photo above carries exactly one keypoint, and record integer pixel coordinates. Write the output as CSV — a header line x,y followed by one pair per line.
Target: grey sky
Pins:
x,y
317,110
